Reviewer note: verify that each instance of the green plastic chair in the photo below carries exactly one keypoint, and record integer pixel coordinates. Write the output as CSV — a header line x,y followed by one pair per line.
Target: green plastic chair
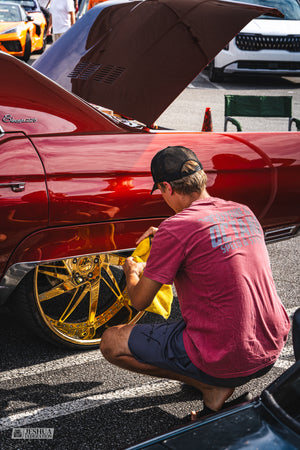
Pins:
x,y
258,106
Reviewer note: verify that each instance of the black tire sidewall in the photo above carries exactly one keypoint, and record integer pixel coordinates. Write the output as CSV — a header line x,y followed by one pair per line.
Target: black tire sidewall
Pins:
x,y
24,306
27,50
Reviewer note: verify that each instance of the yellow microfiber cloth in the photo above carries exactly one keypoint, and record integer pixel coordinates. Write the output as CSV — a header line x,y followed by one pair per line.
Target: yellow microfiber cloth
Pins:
x,y
162,302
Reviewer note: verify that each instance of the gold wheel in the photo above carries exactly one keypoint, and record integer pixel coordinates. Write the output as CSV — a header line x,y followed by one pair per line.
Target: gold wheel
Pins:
x,y
78,298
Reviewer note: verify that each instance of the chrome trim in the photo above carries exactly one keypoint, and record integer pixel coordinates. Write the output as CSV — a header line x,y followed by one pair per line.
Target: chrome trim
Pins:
x,y
2,132
279,234
17,272
12,278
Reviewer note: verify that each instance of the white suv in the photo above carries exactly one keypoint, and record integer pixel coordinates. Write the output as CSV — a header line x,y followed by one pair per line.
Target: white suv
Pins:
x,y
267,45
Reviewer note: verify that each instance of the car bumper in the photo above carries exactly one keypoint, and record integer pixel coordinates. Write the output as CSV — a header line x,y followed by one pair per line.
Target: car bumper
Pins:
x,y
264,67
264,62
12,44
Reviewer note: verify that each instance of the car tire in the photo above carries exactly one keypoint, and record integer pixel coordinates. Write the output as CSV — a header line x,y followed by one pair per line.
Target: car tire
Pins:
x,y
71,302
214,74
41,50
27,49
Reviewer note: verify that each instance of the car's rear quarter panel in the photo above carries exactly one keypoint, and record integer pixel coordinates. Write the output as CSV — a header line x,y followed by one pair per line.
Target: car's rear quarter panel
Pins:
x,y
107,177
99,190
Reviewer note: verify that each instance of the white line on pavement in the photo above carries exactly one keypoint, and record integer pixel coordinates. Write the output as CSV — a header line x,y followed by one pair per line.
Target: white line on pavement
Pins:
x,y
291,311
48,366
287,352
80,358
92,401
283,364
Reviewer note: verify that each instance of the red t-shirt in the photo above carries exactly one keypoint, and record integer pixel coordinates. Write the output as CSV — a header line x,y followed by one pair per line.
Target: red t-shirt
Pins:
x,y
214,252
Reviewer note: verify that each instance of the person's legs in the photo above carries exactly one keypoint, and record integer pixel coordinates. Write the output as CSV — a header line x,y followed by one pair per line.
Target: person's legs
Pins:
x,y
114,347
56,36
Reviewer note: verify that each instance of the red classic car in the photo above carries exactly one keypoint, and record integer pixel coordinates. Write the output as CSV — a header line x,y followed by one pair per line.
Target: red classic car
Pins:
x,y
75,181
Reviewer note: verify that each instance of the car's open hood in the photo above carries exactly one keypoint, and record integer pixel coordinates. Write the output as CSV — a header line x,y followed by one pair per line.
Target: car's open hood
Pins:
x,y
135,57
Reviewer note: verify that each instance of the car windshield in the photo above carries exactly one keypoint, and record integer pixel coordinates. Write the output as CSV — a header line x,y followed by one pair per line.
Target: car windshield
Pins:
x,y
10,13
28,5
290,8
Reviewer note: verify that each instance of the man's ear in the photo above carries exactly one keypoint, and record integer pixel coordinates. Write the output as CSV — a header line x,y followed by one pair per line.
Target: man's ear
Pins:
x,y
168,187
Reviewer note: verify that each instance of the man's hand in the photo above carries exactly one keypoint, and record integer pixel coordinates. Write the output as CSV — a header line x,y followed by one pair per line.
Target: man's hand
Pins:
x,y
150,232
141,290
131,266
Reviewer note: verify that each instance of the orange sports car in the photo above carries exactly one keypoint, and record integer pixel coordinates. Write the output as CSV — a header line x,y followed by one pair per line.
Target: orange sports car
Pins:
x,y
22,28
86,5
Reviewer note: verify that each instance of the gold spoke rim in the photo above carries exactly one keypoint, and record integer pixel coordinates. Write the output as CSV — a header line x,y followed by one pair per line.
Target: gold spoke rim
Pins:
x,y
78,298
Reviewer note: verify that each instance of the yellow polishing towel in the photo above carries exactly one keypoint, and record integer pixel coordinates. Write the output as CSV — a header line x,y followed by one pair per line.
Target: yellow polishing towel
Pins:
x,y
162,302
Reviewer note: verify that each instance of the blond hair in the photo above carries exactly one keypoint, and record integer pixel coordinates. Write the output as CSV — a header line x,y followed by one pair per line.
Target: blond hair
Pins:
x,y
196,182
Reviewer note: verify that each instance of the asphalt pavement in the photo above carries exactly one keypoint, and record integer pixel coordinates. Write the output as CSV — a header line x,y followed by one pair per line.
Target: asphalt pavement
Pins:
x,y
187,111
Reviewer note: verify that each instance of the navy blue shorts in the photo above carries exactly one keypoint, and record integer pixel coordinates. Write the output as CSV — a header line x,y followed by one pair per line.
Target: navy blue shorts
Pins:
x,y
161,345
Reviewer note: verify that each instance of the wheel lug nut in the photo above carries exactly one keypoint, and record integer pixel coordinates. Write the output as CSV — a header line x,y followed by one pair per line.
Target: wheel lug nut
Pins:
x,y
90,275
76,275
74,260
96,260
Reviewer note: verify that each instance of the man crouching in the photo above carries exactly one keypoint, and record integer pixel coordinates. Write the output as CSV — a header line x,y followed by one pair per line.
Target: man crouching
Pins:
x,y
233,324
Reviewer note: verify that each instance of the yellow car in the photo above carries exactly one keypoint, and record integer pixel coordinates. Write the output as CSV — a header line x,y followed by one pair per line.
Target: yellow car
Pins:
x,y
22,28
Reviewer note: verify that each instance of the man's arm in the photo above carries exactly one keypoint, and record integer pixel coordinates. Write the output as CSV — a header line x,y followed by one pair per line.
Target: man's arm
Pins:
x,y
150,232
142,290
72,17
50,22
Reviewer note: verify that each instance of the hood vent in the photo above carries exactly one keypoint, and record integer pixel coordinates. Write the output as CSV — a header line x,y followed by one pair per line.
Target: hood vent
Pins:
x,y
97,72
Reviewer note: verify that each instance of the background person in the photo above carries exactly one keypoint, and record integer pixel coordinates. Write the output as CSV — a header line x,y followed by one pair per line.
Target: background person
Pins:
x,y
233,325
44,8
62,17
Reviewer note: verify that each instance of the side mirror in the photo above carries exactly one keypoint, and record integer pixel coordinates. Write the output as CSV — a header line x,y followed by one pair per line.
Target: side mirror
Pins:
x,y
29,18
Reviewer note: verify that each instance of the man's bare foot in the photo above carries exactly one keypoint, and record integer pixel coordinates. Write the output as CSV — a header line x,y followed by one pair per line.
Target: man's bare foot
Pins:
x,y
214,397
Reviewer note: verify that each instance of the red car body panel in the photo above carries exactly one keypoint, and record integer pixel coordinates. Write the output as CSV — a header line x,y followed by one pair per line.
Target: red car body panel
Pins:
x,y
115,179
26,211
87,175
111,208
35,106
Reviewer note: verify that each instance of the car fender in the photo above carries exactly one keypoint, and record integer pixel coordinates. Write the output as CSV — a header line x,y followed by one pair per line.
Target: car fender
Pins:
x,y
58,243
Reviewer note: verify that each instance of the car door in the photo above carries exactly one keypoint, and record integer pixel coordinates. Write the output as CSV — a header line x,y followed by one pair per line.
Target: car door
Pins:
x,y
23,194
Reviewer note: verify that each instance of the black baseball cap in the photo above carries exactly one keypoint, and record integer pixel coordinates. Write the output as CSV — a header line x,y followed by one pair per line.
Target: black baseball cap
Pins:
x,y
167,164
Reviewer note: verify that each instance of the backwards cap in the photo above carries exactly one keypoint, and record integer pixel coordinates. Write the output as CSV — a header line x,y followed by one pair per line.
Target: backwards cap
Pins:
x,y
167,165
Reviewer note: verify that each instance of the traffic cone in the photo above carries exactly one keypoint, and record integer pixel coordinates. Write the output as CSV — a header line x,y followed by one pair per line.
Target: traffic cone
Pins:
x,y
207,122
